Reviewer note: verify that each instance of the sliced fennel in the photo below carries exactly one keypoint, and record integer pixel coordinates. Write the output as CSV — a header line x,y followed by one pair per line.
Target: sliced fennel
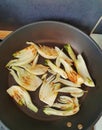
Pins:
x,y
22,97
56,69
61,54
48,91
37,69
25,68
65,99
34,62
83,71
25,79
63,106
70,51
75,92
23,56
71,73
46,52
65,102
66,112
65,81
80,66
30,50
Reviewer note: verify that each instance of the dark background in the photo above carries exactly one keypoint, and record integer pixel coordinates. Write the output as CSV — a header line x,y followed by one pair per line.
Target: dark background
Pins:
x,y
82,14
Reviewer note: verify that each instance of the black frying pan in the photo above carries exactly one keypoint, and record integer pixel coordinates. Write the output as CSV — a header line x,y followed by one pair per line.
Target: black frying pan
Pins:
x,y
51,33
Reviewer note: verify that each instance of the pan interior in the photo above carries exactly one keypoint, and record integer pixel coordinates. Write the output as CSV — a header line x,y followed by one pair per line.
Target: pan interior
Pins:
x,y
51,34
35,95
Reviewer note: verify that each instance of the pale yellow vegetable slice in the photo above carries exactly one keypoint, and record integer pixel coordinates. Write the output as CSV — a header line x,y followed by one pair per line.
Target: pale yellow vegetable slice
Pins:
x,y
23,56
63,106
46,51
25,79
75,92
61,54
65,99
80,66
83,71
51,71
30,50
67,112
64,103
48,91
70,51
37,69
22,97
71,73
65,81
44,76
34,62
78,95
56,69
52,111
